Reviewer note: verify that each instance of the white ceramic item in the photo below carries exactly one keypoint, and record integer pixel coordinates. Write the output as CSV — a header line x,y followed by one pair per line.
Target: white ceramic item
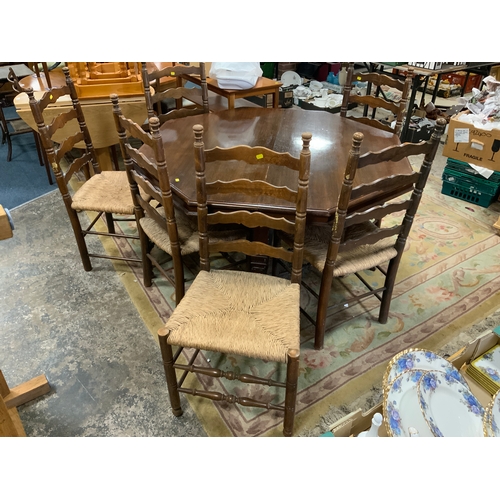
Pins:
x,y
401,407
315,86
373,430
448,406
290,78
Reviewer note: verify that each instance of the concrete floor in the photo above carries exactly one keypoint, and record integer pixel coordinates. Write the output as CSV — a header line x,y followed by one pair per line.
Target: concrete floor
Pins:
x,y
81,330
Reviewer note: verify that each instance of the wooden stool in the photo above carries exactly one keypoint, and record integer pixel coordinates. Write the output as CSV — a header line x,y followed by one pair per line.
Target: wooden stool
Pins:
x,y
10,423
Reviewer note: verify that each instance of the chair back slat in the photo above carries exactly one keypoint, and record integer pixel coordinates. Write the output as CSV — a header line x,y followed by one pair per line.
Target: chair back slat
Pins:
x,y
174,71
253,156
260,157
76,165
67,145
60,121
380,79
142,162
135,131
148,185
247,186
179,113
370,238
177,93
251,248
52,95
374,102
376,213
385,184
395,153
251,220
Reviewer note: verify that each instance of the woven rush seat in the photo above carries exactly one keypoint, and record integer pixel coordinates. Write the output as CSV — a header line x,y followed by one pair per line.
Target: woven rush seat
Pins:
x,y
347,262
187,229
237,318
108,191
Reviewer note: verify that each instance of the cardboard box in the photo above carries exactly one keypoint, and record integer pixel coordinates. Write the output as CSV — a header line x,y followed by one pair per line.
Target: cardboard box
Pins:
x,y
475,145
357,421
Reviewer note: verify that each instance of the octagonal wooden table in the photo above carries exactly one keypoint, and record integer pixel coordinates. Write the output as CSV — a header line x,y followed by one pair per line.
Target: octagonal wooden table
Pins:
x,y
280,130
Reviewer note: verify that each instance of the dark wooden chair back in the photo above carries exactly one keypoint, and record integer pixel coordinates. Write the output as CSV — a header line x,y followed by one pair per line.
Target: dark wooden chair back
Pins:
x,y
197,96
372,102
56,151
365,229
149,181
264,159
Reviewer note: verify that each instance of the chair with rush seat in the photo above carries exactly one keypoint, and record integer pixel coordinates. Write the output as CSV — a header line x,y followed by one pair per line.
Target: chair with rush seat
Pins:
x,y
372,239
105,192
238,313
373,101
159,222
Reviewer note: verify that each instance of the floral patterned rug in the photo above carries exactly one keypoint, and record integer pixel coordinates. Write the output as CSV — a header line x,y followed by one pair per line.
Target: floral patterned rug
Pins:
x,y
449,277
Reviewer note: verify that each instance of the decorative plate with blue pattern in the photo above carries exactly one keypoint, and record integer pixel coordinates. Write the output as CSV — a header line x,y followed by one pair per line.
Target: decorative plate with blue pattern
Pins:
x,y
449,407
401,407
419,359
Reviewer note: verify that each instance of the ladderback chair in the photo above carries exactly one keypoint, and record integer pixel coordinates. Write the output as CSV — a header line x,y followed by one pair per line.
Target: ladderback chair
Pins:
x,y
368,239
376,98
160,223
197,97
105,192
156,217
235,312
12,127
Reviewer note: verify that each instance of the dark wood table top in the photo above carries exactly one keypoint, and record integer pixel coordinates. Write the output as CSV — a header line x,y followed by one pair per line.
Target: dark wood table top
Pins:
x,y
280,130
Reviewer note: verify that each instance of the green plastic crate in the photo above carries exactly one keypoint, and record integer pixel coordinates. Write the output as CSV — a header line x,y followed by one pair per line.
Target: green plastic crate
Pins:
x,y
463,182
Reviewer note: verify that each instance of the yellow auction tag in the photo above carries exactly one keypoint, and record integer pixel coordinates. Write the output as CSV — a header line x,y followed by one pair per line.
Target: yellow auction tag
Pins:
x,y
177,179
259,157
358,78
51,96
172,73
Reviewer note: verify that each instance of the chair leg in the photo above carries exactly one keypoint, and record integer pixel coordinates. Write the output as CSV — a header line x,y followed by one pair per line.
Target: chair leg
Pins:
x,y
324,295
80,239
146,247
44,162
168,364
292,376
390,281
110,222
9,145
179,280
